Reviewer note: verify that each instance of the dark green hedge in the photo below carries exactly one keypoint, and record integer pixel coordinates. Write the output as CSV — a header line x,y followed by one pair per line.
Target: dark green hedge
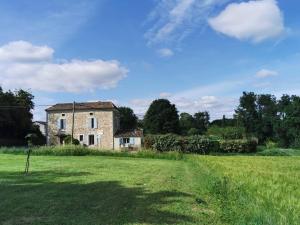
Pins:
x,y
199,144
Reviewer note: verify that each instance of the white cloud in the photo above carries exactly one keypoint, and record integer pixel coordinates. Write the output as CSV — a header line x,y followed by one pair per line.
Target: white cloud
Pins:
x,y
165,95
22,51
216,106
165,52
266,73
175,19
37,72
254,20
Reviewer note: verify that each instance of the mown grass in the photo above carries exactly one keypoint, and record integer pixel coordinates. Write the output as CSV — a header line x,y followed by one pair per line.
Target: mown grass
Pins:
x,y
126,190
103,190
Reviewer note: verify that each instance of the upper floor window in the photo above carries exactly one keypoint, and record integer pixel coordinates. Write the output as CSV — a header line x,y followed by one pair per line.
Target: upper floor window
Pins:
x,y
62,124
92,123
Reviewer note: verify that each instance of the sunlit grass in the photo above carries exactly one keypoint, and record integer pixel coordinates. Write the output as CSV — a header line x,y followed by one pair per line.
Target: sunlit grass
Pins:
x,y
121,188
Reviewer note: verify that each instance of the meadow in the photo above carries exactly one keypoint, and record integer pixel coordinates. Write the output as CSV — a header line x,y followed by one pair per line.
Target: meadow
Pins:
x,y
109,189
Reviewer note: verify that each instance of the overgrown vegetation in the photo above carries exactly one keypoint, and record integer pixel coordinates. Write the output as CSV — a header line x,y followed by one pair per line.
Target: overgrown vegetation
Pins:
x,y
77,150
199,144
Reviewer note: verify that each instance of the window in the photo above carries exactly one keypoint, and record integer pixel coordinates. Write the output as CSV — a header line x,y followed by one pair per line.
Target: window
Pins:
x,y
81,137
125,140
92,122
91,139
91,114
63,114
62,124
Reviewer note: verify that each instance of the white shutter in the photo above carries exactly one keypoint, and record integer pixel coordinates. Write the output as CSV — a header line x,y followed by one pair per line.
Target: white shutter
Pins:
x,y
65,124
88,123
58,124
96,123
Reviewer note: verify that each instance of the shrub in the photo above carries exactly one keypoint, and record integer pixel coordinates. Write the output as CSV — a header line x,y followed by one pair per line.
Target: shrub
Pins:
x,y
168,142
238,146
201,144
193,131
149,141
68,140
271,144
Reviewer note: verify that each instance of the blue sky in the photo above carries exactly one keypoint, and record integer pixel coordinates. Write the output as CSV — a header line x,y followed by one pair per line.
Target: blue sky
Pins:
x,y
200,54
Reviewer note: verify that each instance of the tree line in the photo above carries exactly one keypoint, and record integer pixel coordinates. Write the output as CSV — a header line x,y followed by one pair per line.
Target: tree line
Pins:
x,y
258,115
262,116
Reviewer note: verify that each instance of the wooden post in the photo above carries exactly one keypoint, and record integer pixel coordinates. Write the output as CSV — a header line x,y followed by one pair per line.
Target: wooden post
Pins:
x,y
27,161
73,118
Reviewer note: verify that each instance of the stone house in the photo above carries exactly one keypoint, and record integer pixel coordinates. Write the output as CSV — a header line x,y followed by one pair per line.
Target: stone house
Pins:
x,y
94,124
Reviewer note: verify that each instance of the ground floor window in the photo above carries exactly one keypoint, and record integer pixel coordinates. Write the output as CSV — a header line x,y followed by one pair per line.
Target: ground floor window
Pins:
x,y
81,137
91,139
125,140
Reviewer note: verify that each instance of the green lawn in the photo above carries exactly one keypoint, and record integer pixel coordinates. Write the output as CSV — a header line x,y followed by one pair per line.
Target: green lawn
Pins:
x,y
94,190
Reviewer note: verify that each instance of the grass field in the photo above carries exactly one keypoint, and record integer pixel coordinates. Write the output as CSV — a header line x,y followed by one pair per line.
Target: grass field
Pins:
x,y
91,190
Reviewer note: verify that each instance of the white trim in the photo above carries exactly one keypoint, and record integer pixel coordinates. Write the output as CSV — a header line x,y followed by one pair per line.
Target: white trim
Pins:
x,y
81,142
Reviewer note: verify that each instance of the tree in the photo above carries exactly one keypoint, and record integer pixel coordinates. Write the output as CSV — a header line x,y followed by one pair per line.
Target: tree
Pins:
x,y
201,121
186,122
267,115
128,120
15,114
281,126
224,122
246,113
161,118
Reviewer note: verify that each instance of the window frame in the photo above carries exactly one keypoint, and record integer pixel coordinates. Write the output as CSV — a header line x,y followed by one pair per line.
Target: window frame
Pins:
x,y
62,124
81,135
125,138
89,136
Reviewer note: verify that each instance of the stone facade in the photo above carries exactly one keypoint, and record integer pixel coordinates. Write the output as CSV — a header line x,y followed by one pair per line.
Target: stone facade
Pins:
x,y
92,127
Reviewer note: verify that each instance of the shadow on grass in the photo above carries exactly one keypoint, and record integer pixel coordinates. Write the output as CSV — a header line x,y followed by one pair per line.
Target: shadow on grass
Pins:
x,y
39,200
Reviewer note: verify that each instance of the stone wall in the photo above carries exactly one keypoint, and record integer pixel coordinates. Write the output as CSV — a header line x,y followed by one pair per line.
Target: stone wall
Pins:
x,y
104,132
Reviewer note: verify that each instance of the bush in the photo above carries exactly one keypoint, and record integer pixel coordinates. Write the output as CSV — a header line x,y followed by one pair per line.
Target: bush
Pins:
x,y
201,144
149,141
68,140
271,144
168,142
193,131
238,146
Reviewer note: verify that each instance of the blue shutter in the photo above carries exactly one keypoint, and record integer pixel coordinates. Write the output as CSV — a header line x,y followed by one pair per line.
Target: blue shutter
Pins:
x,y
131,140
